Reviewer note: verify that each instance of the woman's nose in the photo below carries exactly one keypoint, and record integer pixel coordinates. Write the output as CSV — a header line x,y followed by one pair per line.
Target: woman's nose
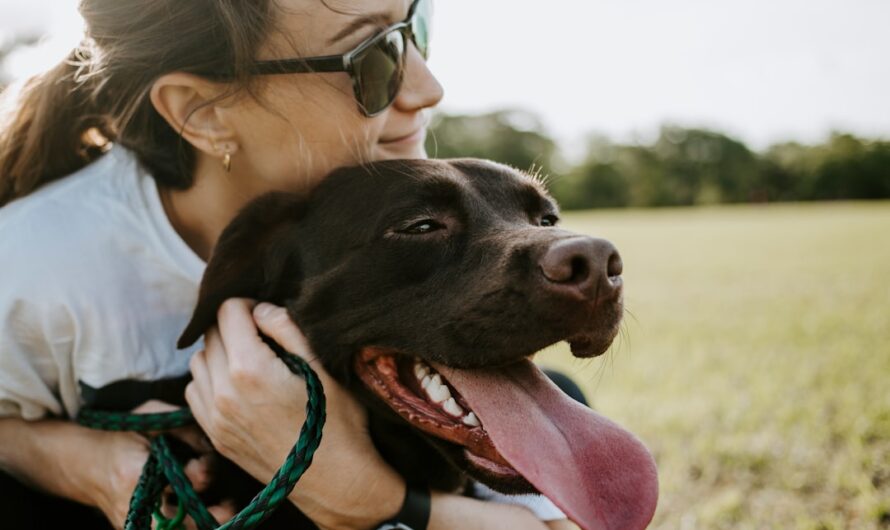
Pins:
x,y
420,88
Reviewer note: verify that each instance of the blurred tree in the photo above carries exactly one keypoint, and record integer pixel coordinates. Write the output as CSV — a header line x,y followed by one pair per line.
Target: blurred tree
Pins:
x,y
592,185
700,166
786,172
512,137
596,182
851,168
682,167
845,167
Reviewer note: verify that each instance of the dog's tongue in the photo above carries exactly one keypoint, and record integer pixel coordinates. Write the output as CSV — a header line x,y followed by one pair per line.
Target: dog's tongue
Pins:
x,y
599,474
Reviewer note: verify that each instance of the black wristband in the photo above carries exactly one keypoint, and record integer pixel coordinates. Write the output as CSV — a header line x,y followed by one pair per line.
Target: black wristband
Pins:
x,y
415,512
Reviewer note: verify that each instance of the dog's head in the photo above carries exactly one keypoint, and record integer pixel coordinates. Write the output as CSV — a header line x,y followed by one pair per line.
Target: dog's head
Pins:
x,y
424,286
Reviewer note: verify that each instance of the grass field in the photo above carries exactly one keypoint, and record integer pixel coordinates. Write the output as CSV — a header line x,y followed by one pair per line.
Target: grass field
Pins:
x,y
755,361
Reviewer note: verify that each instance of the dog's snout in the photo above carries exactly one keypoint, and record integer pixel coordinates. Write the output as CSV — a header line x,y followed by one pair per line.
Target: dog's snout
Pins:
x,y
615,266
586,265
568,261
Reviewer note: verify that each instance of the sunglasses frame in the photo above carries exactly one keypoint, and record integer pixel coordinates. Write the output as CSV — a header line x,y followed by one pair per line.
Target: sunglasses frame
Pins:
x,y
346,62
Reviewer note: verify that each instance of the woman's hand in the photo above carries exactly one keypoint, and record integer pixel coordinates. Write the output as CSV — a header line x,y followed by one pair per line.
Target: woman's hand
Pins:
x,y
252,407
125,453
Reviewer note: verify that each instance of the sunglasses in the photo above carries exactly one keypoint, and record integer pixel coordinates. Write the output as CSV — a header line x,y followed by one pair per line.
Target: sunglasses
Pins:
x,y
376,66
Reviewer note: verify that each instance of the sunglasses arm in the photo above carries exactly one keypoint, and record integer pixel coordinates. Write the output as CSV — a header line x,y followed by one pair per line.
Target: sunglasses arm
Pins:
x,y
331,63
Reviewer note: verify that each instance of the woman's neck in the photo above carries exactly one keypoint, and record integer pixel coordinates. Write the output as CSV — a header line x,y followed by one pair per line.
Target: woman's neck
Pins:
x,y
200,213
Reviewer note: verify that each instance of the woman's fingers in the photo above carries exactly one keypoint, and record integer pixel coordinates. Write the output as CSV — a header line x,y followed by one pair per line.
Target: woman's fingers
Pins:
x,y
243,346
200,393
276,323
191,435
248,357
153,406
223,511
246,400
168,505
199,390
216,361
198,403
240,322
199,471
200,370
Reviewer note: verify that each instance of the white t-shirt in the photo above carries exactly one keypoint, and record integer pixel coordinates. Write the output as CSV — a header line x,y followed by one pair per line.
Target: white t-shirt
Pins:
x,y
95,288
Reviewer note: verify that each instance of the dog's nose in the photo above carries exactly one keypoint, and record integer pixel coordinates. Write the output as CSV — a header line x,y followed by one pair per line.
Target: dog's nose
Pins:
x,y
591,266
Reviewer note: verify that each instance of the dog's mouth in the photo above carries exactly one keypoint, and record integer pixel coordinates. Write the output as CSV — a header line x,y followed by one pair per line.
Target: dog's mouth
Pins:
x,y
516,427
426,400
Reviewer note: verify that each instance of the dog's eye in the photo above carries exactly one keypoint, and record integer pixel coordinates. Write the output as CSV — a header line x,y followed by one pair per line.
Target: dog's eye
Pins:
x,y
549,220
422,227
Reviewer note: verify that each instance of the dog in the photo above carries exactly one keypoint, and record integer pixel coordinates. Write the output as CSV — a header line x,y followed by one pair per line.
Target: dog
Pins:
x,y
424,287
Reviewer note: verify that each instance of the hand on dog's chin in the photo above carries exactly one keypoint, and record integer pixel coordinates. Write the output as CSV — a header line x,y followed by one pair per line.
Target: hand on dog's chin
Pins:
x,y
512,485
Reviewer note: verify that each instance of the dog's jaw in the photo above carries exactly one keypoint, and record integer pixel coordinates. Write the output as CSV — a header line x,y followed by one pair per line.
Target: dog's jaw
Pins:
x,y
597,472
425,401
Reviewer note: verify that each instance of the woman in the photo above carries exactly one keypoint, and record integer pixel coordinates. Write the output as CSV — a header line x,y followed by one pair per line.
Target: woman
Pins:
x,y
101,250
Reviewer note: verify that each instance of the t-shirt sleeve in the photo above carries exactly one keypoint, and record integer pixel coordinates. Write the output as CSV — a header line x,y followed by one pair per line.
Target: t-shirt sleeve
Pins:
x,y
34,330
29,374
540,505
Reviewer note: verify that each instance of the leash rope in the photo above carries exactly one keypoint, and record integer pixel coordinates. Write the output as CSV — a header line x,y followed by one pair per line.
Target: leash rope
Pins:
x,y
162,468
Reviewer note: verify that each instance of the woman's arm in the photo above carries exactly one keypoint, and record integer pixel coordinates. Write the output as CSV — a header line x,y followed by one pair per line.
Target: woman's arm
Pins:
x,y
251,407
91,467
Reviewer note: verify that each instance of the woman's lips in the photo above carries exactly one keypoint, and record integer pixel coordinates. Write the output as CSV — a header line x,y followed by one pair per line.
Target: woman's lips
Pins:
x,y
410,138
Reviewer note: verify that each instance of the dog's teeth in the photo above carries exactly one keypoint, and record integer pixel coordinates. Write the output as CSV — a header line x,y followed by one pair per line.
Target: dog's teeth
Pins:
x,y
421,370
451,407
425,382
437,391
471,420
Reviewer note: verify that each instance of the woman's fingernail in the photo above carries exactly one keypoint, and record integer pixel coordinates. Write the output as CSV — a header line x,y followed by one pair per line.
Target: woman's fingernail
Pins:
x,y
263,310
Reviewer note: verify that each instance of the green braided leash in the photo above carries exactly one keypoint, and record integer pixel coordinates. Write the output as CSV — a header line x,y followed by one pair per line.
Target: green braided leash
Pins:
x,y
162,468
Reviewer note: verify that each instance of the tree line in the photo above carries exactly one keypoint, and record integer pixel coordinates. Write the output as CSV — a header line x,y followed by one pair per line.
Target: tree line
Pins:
x,y
680,167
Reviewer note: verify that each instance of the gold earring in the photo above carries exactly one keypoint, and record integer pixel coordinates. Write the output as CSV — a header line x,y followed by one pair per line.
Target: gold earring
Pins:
x,y
227,161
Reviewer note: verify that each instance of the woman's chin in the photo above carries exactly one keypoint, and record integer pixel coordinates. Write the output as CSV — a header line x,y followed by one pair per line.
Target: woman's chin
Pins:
x,y
399,150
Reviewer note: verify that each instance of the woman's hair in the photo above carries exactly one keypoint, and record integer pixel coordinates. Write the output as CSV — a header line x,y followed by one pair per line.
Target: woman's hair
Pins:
x,y
62,119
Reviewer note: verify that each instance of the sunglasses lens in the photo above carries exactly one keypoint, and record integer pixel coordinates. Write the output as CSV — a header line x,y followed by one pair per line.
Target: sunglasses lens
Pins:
x,y
379,72
420,24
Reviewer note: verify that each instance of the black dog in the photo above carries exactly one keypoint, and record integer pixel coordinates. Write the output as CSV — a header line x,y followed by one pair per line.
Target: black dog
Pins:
x,y
423,286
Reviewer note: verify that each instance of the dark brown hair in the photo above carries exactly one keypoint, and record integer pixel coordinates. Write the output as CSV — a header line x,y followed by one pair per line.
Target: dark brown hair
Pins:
x,y
100,93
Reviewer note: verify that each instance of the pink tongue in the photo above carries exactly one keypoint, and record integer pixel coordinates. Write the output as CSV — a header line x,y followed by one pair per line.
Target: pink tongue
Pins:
x,y
599,474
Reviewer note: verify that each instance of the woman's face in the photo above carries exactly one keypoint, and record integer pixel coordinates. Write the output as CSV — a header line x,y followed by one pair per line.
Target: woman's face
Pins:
x,y
302,126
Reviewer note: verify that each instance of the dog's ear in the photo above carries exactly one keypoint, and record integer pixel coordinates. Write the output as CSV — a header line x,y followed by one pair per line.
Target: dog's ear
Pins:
x,y
256,257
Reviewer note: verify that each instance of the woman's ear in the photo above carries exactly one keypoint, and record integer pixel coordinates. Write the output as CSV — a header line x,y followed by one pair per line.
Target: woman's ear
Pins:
x,y
192,106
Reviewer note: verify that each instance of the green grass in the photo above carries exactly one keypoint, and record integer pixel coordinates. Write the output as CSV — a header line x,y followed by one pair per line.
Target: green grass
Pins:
x,y
754,362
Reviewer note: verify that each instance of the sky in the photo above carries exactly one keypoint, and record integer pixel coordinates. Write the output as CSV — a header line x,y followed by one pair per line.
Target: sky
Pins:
x,y
761,70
